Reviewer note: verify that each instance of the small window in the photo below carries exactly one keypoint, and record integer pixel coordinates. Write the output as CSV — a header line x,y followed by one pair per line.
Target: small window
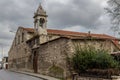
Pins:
x,y
25,51
50,36
22,37
19,39
37,41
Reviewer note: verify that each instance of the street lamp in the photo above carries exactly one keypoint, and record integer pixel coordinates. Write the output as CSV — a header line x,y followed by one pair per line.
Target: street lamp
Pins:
x,y
12,31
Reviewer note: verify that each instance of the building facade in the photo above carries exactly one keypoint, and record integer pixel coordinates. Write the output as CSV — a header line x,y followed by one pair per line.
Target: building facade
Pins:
x,y
4,63
45,51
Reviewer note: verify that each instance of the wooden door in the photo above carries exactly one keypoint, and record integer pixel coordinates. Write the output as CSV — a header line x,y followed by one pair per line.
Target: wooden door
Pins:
x,y
35,62
6,66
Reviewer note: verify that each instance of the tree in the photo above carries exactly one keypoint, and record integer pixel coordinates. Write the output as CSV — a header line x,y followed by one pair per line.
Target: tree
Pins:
x,y
113,10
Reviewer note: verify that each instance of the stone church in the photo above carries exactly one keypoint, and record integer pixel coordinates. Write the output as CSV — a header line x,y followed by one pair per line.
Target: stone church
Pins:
x,y
44,51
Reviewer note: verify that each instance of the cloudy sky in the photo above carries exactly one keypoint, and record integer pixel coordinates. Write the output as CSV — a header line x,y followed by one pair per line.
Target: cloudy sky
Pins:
x,y
74,15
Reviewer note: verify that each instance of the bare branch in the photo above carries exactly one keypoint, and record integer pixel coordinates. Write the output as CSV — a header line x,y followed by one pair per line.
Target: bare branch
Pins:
x,y
114,12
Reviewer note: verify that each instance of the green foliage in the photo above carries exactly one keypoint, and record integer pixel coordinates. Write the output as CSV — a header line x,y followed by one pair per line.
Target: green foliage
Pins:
x,y
89,57
103,60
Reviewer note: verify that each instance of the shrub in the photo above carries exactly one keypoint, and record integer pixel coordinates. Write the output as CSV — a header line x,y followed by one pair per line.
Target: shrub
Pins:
x,y
103,60
89,57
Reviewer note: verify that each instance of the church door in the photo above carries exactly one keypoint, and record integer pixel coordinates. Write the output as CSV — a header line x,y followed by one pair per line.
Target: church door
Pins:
x,y
35,62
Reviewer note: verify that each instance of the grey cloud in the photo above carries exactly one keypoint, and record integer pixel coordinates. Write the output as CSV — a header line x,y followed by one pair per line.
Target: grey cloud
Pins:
x,y
75,12
6,38
5,35
17,12
14,13
5,43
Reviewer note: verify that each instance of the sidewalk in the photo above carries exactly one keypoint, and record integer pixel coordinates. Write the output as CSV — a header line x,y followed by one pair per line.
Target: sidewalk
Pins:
x,y
44,77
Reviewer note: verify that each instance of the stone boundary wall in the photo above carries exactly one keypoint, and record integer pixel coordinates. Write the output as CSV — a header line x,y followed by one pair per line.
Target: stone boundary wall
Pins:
x,y
96,78
90,78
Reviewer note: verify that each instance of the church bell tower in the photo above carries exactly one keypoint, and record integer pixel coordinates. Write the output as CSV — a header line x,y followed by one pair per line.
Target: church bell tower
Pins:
x,y
40,24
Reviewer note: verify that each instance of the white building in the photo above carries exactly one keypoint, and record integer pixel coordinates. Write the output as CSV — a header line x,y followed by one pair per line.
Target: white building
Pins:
x,y
5,63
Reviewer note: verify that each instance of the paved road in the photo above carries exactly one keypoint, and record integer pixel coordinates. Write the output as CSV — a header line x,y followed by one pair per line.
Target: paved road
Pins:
x,y
8,75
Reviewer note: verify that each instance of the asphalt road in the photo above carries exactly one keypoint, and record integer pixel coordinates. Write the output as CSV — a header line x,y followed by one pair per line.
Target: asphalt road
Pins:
x,y
8,75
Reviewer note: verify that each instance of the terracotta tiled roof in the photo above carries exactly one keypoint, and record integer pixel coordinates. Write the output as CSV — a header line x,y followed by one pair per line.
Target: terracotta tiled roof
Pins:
x,y
71,33
29,29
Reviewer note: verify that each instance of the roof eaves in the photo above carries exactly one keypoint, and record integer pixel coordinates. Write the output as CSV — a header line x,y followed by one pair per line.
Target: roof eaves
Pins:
x,y
117,45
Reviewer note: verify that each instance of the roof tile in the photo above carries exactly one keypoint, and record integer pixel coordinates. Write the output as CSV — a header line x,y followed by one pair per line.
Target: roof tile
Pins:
x,y
71,33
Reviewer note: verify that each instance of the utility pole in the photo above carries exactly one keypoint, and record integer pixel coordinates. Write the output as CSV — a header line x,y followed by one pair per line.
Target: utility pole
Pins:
x,y
2,56
2,52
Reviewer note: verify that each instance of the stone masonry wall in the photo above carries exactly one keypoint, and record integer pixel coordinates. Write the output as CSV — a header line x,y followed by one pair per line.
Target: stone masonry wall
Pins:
x,y
52,58
90,78
96,78
20,53
53,55
98,44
